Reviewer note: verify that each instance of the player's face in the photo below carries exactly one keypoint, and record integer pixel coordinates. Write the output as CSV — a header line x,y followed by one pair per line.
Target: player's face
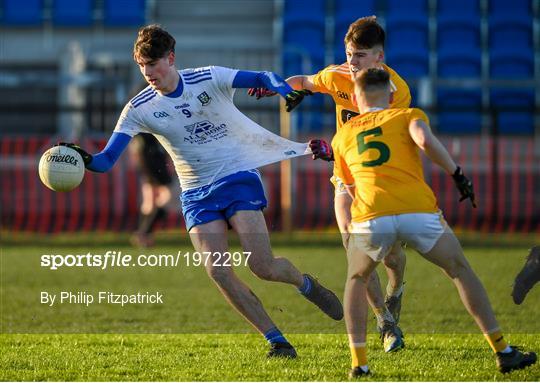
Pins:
x,y
157,72
359,58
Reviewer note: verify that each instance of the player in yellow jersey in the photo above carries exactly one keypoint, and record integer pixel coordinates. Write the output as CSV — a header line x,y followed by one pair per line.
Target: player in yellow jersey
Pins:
x,y
377,158
364,48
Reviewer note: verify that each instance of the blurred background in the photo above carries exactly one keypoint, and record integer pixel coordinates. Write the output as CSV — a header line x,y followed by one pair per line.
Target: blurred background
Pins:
x,y
66,71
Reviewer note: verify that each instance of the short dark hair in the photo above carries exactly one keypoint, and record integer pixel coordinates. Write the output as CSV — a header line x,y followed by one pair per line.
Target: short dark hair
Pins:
x,y
373,79
153,42
365,33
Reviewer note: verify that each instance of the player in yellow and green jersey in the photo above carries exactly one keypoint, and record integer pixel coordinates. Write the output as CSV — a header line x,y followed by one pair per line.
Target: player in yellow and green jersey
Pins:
x,y
377,159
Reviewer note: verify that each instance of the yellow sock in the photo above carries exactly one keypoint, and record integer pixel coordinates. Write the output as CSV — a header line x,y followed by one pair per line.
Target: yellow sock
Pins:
x,y
358,354
496,340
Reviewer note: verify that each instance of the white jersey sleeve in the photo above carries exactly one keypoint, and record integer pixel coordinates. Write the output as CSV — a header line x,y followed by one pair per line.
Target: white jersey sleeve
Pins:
x,y
223,80
130,121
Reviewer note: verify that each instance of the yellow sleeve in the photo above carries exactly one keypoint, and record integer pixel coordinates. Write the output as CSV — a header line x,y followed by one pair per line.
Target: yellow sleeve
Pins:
x,y
400,90
341,169
402,97
418,114
323,81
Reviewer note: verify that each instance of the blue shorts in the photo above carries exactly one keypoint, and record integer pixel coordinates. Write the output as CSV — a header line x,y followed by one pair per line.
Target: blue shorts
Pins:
x,y
223,198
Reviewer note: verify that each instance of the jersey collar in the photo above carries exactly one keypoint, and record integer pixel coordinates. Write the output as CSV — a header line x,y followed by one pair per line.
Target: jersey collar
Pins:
x,y
179,88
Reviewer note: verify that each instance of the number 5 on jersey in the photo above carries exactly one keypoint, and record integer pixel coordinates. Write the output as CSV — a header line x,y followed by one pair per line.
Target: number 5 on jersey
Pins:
x,y
383,149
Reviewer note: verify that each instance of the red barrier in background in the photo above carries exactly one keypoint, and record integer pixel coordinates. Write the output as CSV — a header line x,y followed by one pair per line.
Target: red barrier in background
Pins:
x,y
508,190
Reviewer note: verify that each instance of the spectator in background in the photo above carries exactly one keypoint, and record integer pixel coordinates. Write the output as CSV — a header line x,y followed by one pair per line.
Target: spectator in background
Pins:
x,y
151,160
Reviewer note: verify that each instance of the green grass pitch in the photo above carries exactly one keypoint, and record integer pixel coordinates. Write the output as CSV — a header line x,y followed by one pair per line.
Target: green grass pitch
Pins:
x,y
195,335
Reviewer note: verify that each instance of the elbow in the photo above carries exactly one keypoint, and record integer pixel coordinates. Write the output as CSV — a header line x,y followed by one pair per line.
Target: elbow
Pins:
x,y
100,165
265,77
425,142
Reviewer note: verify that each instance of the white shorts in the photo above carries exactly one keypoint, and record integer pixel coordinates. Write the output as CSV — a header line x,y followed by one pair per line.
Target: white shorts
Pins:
x,y
377,236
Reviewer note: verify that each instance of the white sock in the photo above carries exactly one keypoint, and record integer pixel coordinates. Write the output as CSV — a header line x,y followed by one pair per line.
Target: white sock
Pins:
x,y
390,292
507,350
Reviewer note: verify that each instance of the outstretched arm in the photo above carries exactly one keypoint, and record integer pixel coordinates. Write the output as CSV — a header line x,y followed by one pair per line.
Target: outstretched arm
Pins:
x,y
104,160
269,81
435,150
425,139
301,82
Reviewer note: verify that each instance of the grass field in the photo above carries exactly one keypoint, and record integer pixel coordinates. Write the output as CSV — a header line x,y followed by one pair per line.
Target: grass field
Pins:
x,y
195,335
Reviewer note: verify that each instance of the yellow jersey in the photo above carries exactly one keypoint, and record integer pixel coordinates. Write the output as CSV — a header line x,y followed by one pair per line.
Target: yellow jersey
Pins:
x,y
336,81
376,154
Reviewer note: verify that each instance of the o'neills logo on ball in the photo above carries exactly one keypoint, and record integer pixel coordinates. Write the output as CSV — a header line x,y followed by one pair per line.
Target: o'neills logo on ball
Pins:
x,y
66,158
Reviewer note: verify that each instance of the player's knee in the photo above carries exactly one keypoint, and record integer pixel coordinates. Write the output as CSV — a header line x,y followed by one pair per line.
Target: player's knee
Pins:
x,y
361,276
220,274
146,208
264,271
372,278
395,259
392,261
456,268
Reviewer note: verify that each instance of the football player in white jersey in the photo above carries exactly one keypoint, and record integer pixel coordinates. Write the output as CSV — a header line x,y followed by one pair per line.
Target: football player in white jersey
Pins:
x,y
215,149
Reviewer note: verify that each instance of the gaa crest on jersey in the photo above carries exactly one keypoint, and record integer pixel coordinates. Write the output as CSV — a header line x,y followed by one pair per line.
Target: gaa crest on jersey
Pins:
x,y
204,98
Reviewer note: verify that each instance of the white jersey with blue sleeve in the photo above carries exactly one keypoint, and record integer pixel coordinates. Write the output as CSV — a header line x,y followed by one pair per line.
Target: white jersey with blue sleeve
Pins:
x,y
207,137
